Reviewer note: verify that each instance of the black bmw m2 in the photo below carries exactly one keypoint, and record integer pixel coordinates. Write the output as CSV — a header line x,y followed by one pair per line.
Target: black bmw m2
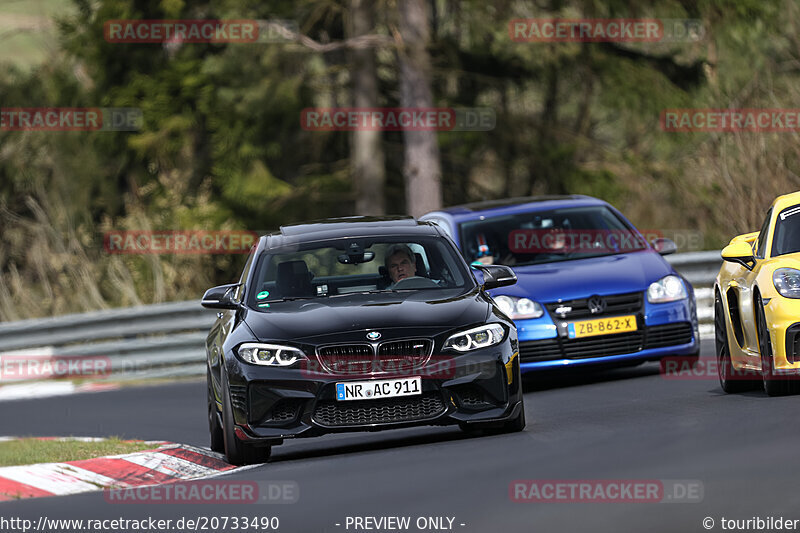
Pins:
x,y
358,324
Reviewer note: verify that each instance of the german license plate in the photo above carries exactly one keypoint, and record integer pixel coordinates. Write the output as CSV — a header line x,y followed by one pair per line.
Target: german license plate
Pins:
x,y
601,326
379,388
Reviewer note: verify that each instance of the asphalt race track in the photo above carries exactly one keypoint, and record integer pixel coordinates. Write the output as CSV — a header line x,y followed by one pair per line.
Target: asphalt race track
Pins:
x,y
625,424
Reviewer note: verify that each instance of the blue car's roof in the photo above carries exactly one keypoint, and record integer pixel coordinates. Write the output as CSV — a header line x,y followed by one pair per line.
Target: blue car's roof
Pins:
x,y
460,213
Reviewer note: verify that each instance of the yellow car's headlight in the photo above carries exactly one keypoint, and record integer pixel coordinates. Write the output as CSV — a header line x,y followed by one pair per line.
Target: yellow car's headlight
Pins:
x,y
787,282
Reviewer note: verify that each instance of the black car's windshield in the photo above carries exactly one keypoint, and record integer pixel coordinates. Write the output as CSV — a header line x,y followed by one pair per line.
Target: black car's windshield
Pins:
x,y
548,236
787,232
326,269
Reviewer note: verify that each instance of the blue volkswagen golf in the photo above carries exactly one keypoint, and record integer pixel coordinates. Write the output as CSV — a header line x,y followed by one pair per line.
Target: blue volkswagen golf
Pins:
x,y
591,289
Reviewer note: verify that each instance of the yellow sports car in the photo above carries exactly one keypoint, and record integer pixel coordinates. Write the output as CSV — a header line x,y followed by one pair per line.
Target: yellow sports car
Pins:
x,y
757,304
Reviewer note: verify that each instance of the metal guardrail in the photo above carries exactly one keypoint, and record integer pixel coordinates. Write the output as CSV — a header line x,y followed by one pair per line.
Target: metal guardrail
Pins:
x,y
145,342
168,340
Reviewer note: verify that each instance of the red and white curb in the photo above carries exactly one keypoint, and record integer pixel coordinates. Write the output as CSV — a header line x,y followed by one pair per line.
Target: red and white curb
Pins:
x,y
168,463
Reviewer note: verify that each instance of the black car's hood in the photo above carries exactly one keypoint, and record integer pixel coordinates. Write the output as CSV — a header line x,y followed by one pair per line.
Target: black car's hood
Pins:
x,y
304,319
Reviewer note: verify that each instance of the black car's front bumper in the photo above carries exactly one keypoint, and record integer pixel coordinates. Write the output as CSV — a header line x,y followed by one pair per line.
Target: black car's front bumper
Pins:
x,y
478,387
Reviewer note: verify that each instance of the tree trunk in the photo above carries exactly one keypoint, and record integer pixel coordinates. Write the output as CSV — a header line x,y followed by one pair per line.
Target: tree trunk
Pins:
x,y
366,151
422,168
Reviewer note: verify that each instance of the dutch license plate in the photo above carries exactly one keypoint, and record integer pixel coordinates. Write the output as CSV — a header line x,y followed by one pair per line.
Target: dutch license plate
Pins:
x,y
379,388
601,326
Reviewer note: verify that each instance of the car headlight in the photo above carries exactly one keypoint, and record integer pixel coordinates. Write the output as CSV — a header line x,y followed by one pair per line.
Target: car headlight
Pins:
x,y
269,354
787,282
667,289
475,338
518,308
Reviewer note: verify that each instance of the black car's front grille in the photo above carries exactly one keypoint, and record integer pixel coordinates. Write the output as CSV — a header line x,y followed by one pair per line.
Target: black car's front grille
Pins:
x,y
386,411
668,335
406,355
605,345
360,359
346,358
239,397
615,304
414,348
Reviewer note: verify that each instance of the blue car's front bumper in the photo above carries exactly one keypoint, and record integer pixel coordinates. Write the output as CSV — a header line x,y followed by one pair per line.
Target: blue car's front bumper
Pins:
x,y
664,329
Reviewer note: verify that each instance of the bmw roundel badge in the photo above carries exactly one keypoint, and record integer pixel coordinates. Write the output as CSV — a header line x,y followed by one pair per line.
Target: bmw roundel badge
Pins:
x,y
373,335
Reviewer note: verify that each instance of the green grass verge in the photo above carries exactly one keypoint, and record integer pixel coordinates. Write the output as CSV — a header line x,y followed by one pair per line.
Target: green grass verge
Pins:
x,y
32,451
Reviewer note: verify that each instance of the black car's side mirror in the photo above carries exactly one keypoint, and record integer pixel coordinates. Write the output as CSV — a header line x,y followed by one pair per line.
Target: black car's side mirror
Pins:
x,y
664,246
495,276
221,297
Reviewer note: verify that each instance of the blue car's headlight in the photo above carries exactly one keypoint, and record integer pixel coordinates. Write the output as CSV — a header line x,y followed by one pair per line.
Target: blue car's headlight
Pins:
x,y
667,289
518,308
787,282
257,353
475,338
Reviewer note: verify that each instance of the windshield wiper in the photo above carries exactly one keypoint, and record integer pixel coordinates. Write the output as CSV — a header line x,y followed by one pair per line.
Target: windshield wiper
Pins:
x,y
288,299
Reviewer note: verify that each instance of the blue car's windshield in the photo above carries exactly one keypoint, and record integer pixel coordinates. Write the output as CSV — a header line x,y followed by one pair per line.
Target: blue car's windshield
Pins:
x,y
337,267
548,236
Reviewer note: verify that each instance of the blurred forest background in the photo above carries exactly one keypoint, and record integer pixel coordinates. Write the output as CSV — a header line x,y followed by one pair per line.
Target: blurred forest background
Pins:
x,y
222,146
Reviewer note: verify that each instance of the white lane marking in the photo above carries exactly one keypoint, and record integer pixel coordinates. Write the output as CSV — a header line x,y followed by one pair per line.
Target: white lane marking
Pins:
x,y
36,390
58,478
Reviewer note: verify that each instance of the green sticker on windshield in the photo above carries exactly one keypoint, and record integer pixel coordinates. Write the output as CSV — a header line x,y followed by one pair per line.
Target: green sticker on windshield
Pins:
x,y
263,305
263,294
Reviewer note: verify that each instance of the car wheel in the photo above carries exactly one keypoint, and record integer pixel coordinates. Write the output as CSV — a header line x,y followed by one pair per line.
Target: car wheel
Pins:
x,y
730,379
683,362
692,358
774,385
512,426
237,452
214,428
518,423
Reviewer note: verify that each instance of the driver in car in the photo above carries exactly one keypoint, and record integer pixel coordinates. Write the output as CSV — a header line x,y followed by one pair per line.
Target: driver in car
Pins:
x,y
400,262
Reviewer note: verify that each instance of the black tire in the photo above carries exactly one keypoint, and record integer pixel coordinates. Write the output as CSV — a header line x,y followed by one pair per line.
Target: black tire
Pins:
x,y
730,379
512,426
686,362
237,452
774,385
692,358
214,427
518,423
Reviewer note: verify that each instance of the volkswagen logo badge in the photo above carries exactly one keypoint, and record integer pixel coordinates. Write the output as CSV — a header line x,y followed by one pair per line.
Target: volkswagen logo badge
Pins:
x,y
373,335
596,305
